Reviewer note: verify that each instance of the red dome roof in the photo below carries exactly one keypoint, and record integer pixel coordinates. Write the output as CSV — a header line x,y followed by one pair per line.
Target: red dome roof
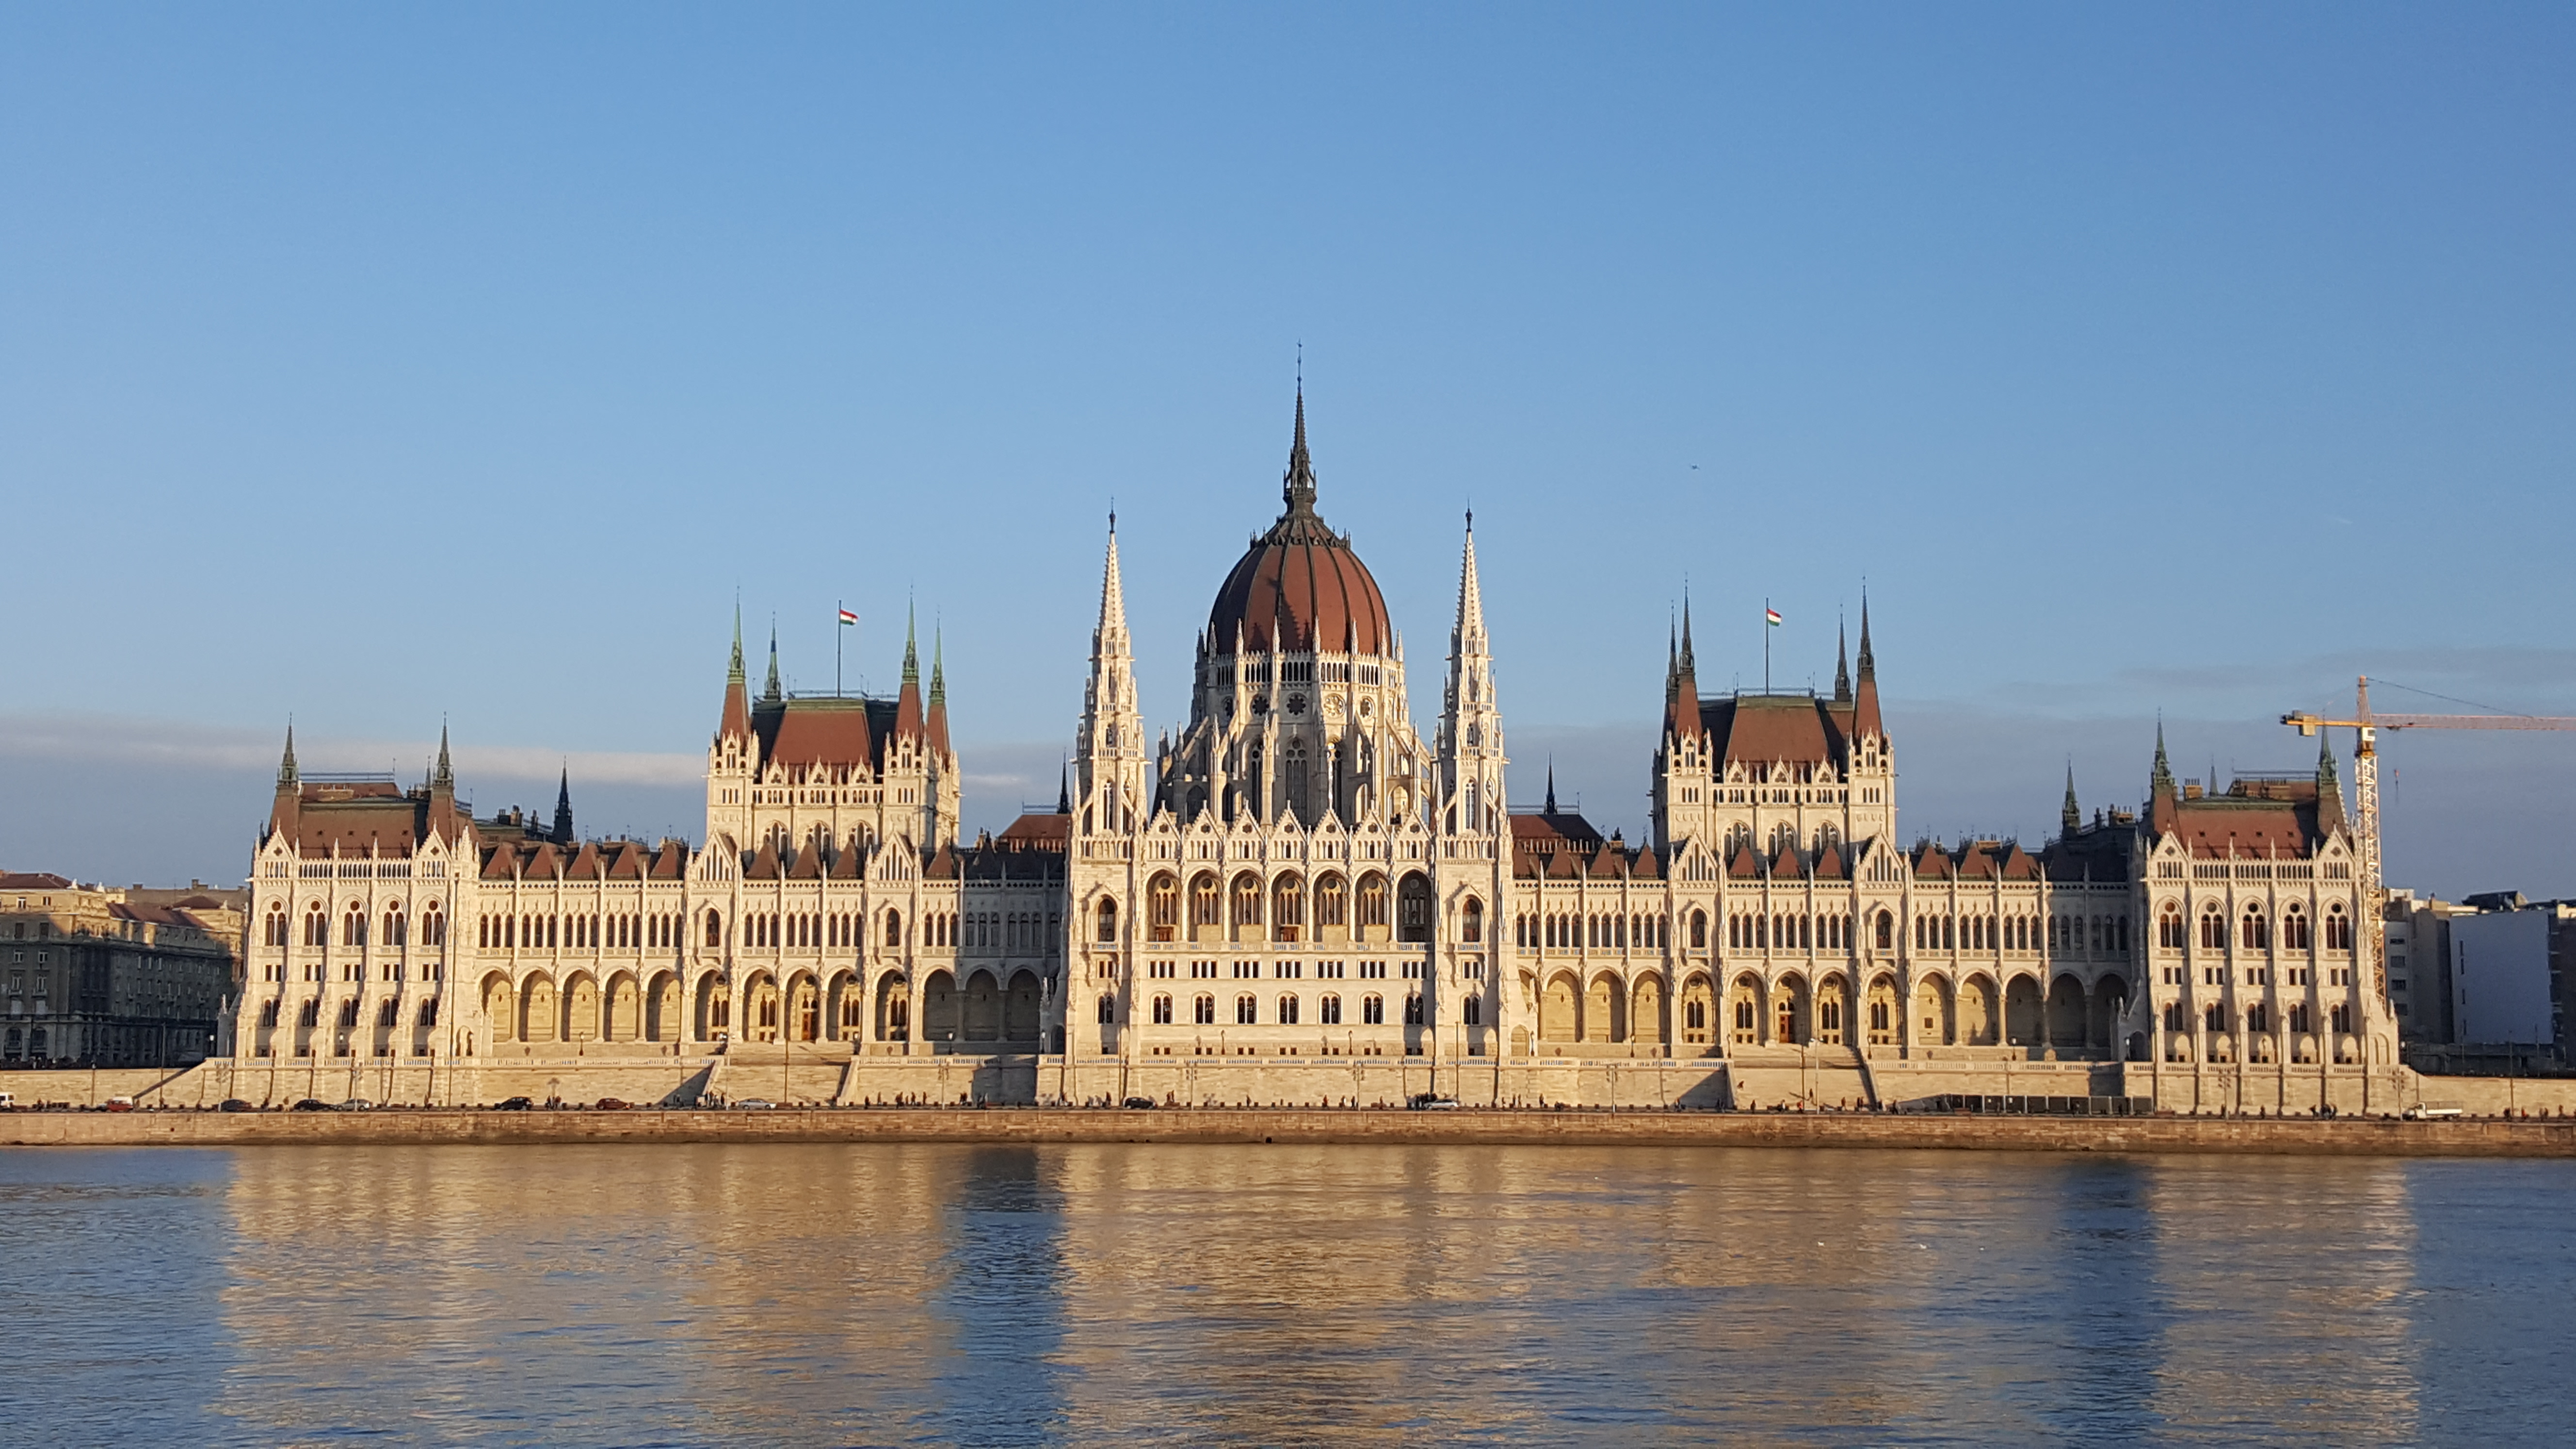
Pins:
x,y
1300,587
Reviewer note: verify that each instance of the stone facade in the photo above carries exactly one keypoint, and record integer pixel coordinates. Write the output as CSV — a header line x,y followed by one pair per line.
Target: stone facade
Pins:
x,y
110,977
1300,897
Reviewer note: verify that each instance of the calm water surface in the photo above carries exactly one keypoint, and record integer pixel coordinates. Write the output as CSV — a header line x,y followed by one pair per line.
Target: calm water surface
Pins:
x,y
1367,1295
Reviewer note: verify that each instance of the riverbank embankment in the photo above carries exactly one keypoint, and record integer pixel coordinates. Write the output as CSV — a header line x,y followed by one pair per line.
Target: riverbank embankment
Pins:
x,y
2345,1136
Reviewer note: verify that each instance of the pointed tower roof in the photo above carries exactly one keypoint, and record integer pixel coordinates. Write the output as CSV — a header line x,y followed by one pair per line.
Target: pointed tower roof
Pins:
x,y
1550,808
736,721
1842,670
2164,797
1297,485
938,720
281,814
287,775
1865,717
907,705
563,808
1681,707
2070,817
1468,634
1064,789
1113,594
771,690
444,777
2330,817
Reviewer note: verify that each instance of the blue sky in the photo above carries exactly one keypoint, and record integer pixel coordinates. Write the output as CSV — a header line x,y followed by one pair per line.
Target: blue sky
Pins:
x,y
383,365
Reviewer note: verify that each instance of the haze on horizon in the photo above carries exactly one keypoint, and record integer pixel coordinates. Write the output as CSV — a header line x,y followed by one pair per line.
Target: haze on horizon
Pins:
x,y
389,367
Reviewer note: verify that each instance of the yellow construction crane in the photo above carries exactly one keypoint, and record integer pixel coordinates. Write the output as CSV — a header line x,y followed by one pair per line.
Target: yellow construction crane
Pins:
x,y
2365,791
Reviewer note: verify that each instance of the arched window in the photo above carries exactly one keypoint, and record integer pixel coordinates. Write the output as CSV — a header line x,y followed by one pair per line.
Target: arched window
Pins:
x,y
2294,928
2258,931
1163,907
1332,901
1699,930
1372,1011
2170,935
1203,1010
275,932
894,928
393,926
2338,928
1247,899
2213,930
1471,921
715,927
1287,1010
1328,1011
1373,899
353,925
1413,1009
1108,921
1162,1011
1247,1010
1288,906
1886,931
433,926
1108,1010
1204,902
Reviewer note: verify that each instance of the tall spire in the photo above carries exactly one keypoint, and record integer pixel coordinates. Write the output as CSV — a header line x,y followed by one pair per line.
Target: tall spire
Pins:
x,y
1550,807
938,668
2070,817
2330,816
911,646
1868,662
1672,660
1865,717
1690,666
286,773
1471,596
771,691
907,703
734,672
1842,671
445,775
1297,487
2163,779
1064,788
563,809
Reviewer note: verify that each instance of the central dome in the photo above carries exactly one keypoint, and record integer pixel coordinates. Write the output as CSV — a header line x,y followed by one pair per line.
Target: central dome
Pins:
x,y
1300,588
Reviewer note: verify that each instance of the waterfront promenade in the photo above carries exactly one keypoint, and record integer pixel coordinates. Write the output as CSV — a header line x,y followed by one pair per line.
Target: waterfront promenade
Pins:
x,y
2345,1136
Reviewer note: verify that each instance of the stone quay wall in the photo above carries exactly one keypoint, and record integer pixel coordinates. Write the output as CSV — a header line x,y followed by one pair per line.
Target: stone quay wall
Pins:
x,y
2376,1137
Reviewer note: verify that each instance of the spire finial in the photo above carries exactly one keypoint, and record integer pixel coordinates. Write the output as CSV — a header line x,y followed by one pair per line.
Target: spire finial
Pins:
x,y
1690,665
563,808
286,774
735,670
1550,807
1298,487
446,775
1064,788
1868,663
938,665
1842,671
2071,817
911,645
773,691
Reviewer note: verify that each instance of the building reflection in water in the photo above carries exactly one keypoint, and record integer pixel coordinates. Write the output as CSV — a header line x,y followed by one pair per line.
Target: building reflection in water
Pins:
x,y
1355,1294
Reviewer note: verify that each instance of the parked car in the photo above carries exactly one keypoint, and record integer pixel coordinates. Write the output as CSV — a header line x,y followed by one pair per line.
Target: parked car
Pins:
x,y
1432,1102
2432,1111
234,1104
755,1104
1140,1104
611,1104
311,1104
357,1104
120,1104
515,1104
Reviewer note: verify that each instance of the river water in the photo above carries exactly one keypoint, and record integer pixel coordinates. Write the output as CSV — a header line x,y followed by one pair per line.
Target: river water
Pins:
x,y
1334,1295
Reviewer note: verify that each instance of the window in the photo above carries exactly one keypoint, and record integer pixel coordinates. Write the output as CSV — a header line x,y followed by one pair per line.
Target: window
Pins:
x,y
2295,935
273,934
1287,1010
1328,1011
1163,907
2338,928
433,926
1203,1010
715,928
894,928
1413,1009
2213,930
1247,899
1162,1011
1471,921
1108,1011
1886,931
1247,1010
1473,1010
1372,900
2169,929
1203,901
1332,901
353,925
317,927
1108,921
393,927
2257,931
1699,930
1372,1011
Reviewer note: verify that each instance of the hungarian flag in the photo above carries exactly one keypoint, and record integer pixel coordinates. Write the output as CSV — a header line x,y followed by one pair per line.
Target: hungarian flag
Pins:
x,y
849,618
1771,616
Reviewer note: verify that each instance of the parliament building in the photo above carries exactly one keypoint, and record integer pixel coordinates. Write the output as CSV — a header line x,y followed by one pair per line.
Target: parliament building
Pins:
x,y
1304,896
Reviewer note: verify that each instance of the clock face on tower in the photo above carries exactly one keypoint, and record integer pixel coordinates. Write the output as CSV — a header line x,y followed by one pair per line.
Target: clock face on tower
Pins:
x,y
1332,706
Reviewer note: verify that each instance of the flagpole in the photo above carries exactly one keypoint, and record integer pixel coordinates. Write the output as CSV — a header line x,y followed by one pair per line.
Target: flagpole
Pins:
x,y
837,609
1766,644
